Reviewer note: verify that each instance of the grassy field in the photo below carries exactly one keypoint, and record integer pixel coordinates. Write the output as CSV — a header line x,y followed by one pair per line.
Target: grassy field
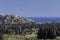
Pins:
x,y
26,37
19,37
13,37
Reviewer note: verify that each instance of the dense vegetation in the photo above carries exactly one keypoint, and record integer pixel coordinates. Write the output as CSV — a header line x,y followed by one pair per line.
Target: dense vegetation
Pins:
x,y
49,30
15,25
10,24
21,28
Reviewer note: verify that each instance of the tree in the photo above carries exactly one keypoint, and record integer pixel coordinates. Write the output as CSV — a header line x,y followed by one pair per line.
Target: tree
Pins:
x,y
1,37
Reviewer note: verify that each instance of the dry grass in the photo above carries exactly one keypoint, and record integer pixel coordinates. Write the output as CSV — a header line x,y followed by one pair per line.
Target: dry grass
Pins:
x,y
19,37
13,37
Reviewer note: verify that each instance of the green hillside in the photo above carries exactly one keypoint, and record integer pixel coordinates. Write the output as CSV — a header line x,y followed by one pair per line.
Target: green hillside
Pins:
x,y
14,27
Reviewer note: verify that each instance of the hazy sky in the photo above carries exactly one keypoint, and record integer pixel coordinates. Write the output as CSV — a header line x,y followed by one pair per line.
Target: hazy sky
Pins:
x,y
31,8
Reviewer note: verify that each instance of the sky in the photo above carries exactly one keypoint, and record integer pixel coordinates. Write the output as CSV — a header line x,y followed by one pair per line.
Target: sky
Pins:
x,y
31,8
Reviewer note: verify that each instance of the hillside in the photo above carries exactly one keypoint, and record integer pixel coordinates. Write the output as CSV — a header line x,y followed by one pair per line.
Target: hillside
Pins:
x,y
14,24
14,19
16,27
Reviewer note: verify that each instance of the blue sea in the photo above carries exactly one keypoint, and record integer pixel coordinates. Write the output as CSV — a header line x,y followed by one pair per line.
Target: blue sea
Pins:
x,y
45,19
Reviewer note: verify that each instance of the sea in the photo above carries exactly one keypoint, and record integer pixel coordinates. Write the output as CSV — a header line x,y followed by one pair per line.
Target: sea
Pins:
x,y
45,19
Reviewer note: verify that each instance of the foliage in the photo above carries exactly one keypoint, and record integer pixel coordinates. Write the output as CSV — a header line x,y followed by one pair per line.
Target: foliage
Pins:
x,y
1,37
49,30
31,37
27,29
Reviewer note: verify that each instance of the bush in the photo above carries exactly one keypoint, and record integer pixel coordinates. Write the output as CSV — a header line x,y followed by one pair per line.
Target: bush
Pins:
x,y
1,37
31,37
